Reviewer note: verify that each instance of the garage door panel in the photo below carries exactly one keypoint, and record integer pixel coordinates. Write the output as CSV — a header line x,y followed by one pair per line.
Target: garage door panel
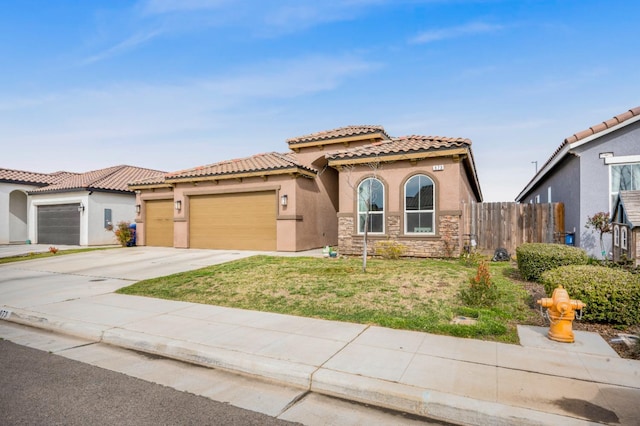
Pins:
x,y
159,223
59,224
243,221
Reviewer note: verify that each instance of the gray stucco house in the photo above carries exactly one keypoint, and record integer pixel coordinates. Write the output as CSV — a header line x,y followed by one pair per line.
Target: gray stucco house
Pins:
x,y
587,172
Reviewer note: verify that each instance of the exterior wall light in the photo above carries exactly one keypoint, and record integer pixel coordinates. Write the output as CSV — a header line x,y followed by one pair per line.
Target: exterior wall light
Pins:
x,y
284,200
81,208
178,205
138,208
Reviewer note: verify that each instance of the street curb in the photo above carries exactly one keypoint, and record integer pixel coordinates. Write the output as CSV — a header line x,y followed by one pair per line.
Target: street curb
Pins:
x,y
430,403
272,369
372,391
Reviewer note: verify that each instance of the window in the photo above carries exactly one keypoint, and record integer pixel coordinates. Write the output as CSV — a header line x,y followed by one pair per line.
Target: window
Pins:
x,y
371,201
549,195
624,177
419,207
616,236
623,238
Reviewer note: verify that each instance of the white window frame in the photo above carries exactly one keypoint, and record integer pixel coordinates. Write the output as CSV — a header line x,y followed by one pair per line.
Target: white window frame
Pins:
x,y
616,236
623,238
361,212
432,211
613,195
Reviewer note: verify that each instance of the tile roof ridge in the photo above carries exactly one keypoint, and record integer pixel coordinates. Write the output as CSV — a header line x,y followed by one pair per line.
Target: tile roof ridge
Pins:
x,y
30,172
603,125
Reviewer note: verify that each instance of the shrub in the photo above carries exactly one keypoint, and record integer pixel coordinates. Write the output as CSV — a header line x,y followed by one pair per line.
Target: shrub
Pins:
x,y
123,233
612,295
535,258
53,249
389,249
482,291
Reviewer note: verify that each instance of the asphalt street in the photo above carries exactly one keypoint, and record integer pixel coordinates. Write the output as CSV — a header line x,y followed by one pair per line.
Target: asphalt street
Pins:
x,y
39,388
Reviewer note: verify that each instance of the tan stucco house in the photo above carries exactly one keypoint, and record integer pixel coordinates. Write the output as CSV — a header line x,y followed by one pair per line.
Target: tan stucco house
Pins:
x,y
307,197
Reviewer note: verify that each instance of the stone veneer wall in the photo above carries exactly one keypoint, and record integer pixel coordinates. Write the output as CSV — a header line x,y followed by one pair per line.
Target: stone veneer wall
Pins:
x,y
446,243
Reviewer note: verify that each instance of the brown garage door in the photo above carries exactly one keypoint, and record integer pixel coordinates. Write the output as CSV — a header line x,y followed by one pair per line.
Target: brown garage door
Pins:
x,y
159,223
244,221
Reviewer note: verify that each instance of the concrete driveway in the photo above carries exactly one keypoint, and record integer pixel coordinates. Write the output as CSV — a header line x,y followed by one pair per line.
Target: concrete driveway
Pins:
x,y
58,278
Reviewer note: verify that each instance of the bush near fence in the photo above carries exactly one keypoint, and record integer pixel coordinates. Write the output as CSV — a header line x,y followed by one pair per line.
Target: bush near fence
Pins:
x,y
536,258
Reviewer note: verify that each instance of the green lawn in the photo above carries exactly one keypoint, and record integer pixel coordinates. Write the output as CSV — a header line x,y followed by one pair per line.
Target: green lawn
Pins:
x,y
405,294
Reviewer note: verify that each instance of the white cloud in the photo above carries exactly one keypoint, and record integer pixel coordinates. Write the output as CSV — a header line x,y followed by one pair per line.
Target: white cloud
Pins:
x,y
208,119
472,28
127,45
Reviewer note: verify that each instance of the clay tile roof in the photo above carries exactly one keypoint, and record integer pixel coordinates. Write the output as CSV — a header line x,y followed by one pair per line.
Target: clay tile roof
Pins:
x,y
256,163
620,118
110,179
403,144
340,132
31,178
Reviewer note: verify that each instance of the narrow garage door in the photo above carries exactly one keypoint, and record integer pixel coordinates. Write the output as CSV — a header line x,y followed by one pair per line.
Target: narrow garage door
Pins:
x,y
243,221
159,223
59,224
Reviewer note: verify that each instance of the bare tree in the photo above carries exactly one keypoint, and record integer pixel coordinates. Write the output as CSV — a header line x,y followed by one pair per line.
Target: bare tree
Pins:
x,y
367,198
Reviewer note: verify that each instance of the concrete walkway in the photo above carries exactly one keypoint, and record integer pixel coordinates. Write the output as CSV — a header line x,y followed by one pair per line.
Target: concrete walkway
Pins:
x,y
462,381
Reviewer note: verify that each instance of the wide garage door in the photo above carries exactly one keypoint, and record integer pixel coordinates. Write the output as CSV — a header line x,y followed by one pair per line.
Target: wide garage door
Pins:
x,y
159,223
59,224
242,221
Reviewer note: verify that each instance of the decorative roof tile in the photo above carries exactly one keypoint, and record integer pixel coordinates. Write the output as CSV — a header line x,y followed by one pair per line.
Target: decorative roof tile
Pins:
x,y
31,178
340,132
110,179
618,119
256,163
403,144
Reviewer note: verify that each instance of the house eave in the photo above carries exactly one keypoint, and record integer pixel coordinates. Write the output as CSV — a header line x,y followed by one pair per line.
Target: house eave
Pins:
x,y
419,155
293,171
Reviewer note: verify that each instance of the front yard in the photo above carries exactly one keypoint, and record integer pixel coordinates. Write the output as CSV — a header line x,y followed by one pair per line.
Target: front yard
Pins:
x,y
406,294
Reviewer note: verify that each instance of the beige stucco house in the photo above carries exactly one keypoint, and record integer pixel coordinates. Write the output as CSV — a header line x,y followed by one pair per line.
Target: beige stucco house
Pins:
x,y
307,197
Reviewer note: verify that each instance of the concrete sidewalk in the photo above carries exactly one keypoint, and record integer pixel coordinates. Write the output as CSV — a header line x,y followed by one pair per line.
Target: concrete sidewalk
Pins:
x,y
462,381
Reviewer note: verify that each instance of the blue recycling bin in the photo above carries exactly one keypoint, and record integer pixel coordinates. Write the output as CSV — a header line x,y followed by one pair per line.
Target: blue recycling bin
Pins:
x,y
132,240
569,239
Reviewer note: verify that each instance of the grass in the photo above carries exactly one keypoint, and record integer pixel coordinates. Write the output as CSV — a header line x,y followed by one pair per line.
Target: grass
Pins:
x,y
30,256
404,294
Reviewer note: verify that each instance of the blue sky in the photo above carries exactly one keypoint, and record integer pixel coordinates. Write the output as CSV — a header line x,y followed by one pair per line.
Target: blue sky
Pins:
x,y
174,84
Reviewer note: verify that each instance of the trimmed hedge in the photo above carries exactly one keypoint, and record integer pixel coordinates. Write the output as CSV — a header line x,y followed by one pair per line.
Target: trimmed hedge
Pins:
x,y
535,258
612,295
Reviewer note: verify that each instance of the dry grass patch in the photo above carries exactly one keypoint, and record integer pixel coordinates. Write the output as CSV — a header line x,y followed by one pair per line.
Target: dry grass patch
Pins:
x,y
408,294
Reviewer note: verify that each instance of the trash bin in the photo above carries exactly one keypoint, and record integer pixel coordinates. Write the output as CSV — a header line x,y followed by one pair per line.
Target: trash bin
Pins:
x,y
132,240
569,238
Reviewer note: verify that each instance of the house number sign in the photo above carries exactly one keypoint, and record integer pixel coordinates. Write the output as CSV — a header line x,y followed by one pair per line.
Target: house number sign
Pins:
x,y
438,168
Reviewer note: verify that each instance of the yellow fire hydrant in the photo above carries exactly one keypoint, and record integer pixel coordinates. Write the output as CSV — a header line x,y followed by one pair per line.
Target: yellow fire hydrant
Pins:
x,y
561,311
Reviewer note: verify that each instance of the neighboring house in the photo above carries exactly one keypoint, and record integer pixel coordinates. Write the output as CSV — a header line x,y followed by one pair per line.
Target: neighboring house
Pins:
x,y
304,198
67,208
14,185
626,227
587,172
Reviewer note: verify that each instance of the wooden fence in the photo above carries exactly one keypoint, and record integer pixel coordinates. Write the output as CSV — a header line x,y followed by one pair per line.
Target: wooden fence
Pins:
x,y
508,224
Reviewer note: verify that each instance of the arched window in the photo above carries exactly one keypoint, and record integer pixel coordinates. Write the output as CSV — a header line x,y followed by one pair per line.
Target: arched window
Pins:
x,y
419,205
616,236
371,202
623,237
